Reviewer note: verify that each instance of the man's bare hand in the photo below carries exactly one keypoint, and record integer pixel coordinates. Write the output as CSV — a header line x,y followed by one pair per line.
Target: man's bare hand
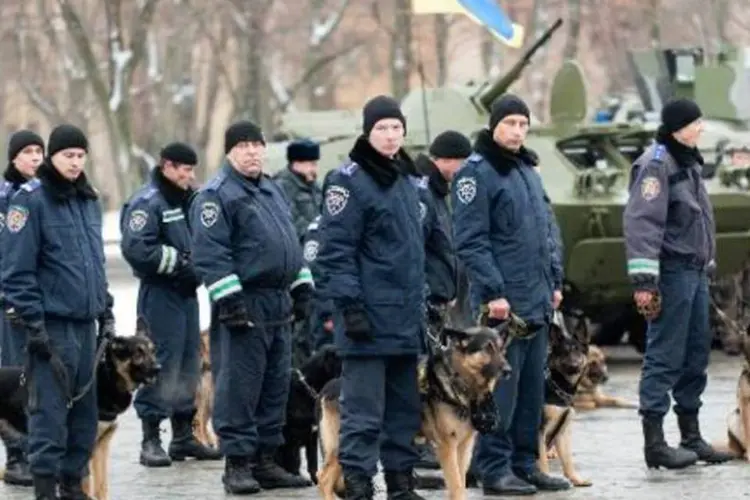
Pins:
x,y
328,326
499,309
557,298
647,303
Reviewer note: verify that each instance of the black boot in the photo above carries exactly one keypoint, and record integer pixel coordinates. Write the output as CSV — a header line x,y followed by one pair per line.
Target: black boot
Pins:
x,y
238,476
71,489
508,485
17,469
271,475
152,454
184,445
45,488
358,487
656,451
401,486
692,440
542,481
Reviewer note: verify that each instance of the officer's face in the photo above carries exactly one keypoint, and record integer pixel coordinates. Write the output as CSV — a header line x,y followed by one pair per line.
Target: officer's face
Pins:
x,y
690,134
307,169
180,175
247,158
387,136
448,166
28,160
69,162
511,132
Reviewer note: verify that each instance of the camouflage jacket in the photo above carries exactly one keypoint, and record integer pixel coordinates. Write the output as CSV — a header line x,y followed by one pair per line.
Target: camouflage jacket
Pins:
x,y
304,199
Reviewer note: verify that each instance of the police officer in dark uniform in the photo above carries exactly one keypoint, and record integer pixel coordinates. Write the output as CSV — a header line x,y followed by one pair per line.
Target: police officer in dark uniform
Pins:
x,y
505,236
371,263
156,244
299,182
55,286
445,155
247,253
670,242
25,154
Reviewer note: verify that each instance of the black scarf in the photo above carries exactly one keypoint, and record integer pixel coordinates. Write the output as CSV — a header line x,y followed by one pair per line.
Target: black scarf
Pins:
x,y
13,176
502,159
61,188
385,171
174,195
684,156
427,167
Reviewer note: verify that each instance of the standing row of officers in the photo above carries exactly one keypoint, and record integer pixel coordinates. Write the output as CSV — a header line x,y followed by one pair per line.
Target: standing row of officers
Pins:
x,y
460,229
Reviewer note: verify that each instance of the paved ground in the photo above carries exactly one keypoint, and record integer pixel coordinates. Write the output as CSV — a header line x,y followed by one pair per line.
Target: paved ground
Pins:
x,y
607,448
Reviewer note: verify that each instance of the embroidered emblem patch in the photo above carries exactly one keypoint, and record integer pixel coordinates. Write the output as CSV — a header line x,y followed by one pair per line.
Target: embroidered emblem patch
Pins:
x,y
650,188
209,214
336,199
138,219
466,190
16,218
310,251
422,211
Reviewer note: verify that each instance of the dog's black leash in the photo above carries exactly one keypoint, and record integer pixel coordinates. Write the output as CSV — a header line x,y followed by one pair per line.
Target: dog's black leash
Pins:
x,y
301,377
61,373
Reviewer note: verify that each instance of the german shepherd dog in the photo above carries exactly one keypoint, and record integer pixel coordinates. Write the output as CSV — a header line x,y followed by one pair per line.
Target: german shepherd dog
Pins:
x,y
301,427
738,420
204,397
590,394
567,364
454,382
127,363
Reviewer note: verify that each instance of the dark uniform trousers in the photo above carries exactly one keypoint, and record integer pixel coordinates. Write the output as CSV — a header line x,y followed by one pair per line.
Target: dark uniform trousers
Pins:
x,y
13,342
61,439
174,321
252,375
678,342
390,405
520,400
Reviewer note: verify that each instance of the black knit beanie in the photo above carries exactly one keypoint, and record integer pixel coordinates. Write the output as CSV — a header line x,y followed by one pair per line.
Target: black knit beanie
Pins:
x,y
507,105
64,137
679,113
21,139
243,131
179,153
450,144
379,108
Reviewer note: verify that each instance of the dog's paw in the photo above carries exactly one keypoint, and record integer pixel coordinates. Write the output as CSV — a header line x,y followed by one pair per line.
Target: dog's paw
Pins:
x,y
579,482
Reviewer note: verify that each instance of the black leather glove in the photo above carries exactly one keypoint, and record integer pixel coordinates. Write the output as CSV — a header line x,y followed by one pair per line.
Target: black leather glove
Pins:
x,y
233,314
302,297
37,341
184,278
357,324
107,325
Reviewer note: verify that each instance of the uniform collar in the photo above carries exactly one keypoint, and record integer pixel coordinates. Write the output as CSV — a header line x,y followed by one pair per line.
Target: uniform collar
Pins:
x,y
13,176
173,194
683,155
383,170
61,188
427,167
261,184
502,159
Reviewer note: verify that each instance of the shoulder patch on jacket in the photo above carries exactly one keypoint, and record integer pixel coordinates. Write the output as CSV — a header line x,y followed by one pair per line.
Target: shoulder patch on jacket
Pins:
x,y
466,189
31,185
16,218
336,198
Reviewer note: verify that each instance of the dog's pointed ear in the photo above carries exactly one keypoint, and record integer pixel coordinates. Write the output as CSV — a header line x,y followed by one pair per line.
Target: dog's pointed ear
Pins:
x,y
141,327
455,335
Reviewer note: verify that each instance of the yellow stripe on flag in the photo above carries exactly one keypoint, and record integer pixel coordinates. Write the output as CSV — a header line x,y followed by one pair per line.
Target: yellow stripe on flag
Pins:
x,y
437,7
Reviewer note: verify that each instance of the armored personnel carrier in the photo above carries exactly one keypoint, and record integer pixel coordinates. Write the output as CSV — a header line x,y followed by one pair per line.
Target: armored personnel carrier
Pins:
x,y
585,167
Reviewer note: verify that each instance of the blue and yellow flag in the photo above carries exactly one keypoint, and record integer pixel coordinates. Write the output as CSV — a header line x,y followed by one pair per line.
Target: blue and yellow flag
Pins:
x,y
485,12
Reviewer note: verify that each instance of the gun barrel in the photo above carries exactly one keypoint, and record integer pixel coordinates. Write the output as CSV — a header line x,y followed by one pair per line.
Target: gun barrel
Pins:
x,y
488,94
